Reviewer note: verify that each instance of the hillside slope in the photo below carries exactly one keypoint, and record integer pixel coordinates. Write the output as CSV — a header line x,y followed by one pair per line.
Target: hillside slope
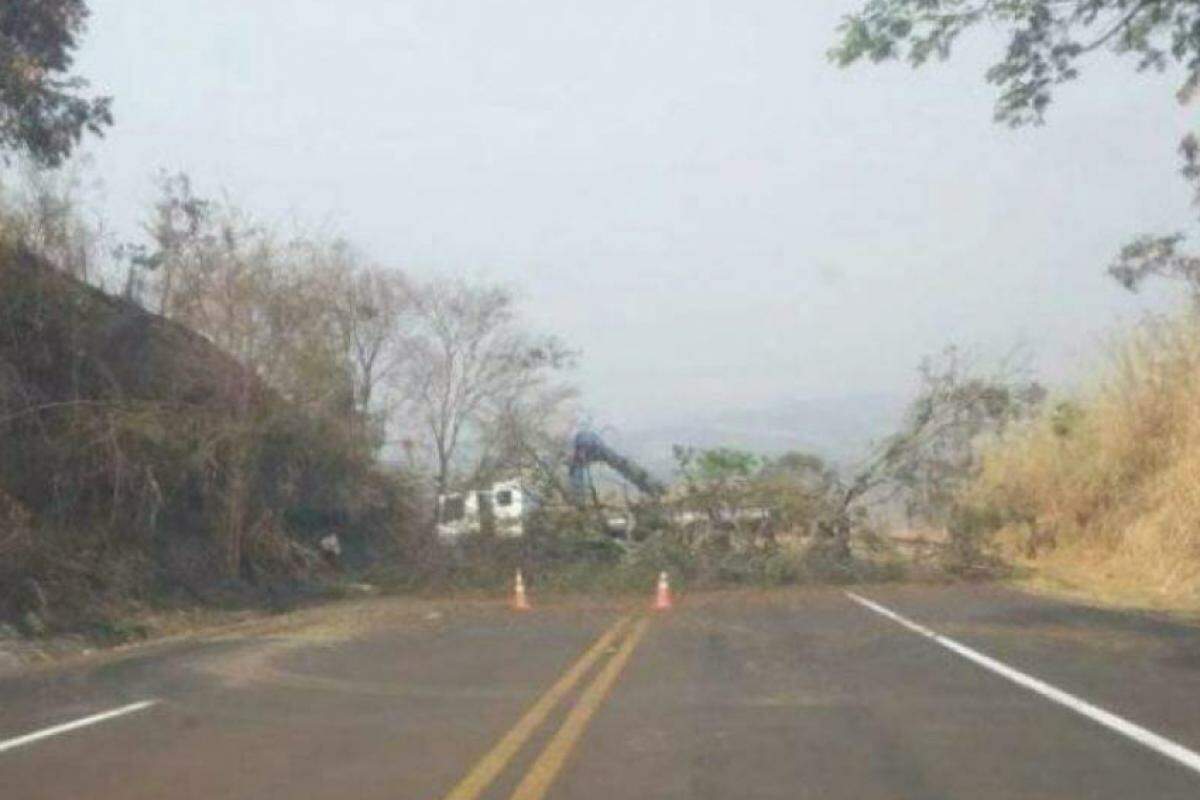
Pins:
x,y
1100,494
139,463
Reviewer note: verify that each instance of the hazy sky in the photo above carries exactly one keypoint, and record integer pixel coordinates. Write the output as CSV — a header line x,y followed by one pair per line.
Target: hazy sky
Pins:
x,y
686,191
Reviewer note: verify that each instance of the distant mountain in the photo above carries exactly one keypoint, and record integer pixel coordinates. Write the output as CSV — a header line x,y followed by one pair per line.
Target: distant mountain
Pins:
x,y
840,429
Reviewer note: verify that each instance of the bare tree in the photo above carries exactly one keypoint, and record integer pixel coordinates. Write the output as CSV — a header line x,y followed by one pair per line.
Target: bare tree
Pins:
x,y
470,361
44,209
937,453
180,228
269,301
524,434
372,310
934,454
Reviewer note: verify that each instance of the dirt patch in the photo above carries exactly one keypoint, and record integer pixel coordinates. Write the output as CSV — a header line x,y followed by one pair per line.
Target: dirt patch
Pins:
x,y
326,622
313,628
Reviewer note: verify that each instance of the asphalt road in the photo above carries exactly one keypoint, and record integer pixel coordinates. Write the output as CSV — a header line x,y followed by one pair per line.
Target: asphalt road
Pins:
x,y
904,692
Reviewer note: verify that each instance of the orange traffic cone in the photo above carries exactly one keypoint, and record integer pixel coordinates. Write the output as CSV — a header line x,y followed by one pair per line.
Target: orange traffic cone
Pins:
x,y
520,602
662,598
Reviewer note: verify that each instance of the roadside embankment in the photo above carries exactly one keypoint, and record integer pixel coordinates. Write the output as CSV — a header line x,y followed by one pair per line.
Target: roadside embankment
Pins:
x,y
1098,496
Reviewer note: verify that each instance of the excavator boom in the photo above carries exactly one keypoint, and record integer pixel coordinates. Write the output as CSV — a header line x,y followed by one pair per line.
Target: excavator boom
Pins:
x,y
590,449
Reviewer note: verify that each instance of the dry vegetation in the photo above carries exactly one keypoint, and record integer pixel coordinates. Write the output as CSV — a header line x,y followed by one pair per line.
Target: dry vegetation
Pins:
x,y
183,419
141,464
1102,493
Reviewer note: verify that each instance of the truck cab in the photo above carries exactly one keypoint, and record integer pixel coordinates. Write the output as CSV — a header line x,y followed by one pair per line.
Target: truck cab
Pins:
x,y
499,510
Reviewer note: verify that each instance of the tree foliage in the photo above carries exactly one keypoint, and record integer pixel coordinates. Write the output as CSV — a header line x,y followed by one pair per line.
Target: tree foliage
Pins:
x,y
1047,43
751,498
1157,256
1047,40
44,108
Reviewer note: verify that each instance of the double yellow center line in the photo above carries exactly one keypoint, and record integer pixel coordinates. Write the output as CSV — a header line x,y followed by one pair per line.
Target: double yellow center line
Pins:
x,y
550,762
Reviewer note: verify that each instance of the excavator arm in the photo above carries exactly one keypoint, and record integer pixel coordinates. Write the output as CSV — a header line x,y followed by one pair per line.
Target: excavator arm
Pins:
x,y
590,449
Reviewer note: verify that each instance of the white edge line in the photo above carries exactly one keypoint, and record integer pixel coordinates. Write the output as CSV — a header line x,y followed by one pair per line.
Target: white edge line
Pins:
x,y
1147,738
45,733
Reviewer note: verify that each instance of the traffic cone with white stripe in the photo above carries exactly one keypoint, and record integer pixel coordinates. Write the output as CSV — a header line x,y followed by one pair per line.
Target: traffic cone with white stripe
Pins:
x,y
520,602
662,598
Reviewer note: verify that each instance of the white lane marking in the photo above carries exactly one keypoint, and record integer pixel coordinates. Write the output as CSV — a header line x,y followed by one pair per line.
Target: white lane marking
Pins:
x,y
46,733
1147,738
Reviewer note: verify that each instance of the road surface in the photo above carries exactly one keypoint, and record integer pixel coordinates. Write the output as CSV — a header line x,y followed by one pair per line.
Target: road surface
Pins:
x,y
885,692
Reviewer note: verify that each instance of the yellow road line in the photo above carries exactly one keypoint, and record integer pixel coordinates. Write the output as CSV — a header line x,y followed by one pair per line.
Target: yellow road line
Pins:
x,y
537,781
493,763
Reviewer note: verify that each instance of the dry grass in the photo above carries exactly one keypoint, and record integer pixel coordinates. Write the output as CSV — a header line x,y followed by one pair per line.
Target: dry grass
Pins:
x,y
1103,494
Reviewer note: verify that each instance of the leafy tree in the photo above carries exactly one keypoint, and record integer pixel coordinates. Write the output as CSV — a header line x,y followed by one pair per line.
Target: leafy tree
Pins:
x,y
801,488
801,467
718,484
1157,256
753,497
719,466
43,109
1048,41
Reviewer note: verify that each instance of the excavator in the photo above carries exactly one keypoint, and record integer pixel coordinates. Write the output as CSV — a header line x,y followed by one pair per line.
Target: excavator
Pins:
x,y
588,449
505,506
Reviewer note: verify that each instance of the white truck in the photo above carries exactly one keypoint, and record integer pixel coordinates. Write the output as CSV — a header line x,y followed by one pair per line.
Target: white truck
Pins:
x,y
501,508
